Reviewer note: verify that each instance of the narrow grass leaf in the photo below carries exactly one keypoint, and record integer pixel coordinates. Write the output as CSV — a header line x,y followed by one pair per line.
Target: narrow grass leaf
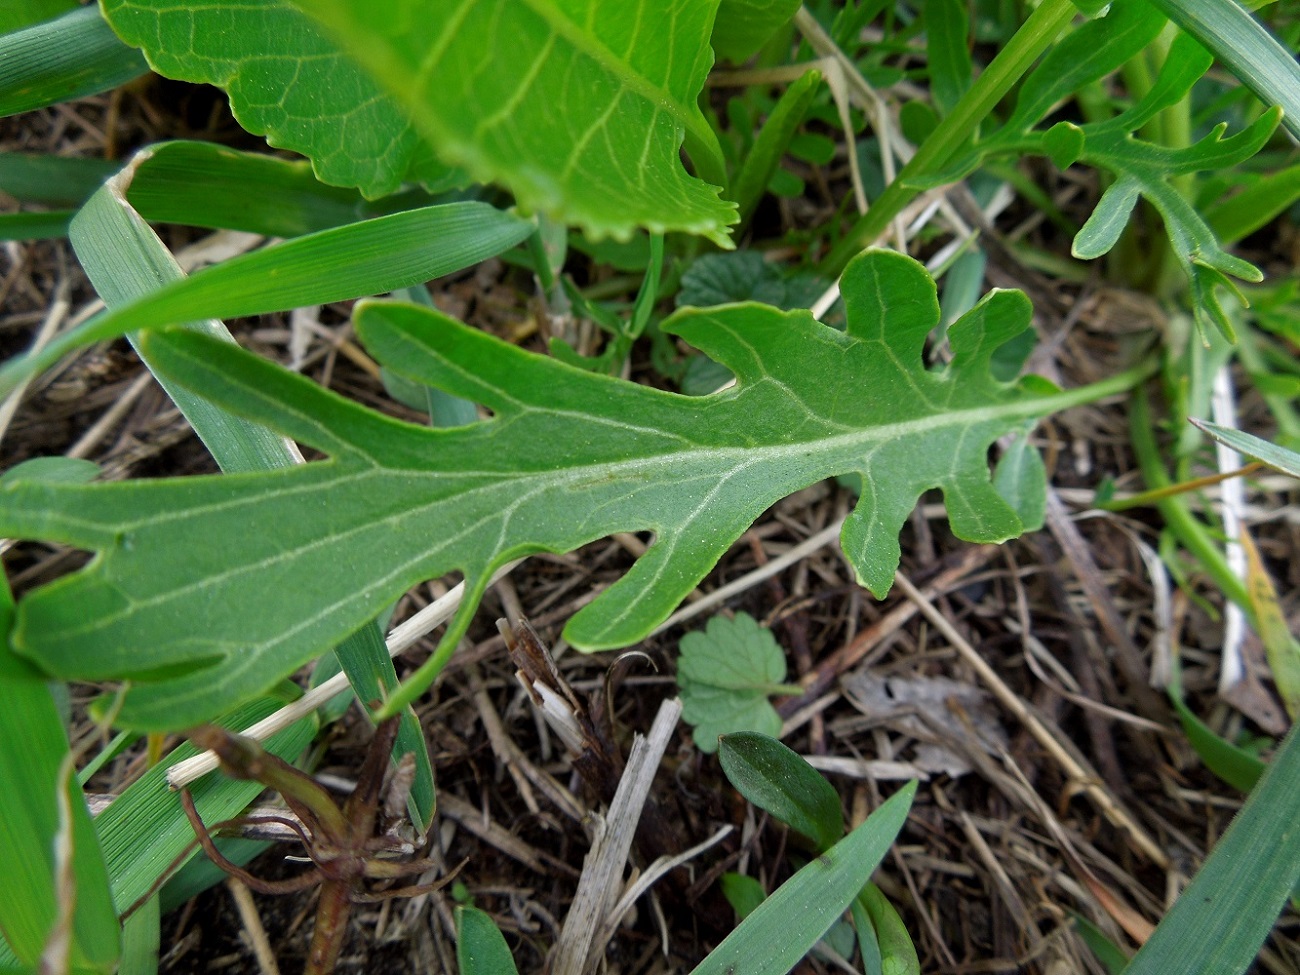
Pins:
x,y
364,657
786,925
141,939
23,13
480,948
1278,458
947,29
771,143
127,263
1262,199
365,258
1235,766
1246,48
145,829
33,748
778,781
1281,649
45,225
868,943
200,184
69,57
1107,952
52,180
1217,925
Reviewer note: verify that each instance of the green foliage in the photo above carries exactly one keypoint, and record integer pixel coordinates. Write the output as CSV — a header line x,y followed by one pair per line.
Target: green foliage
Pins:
x,y
69,57
761,162
581,111
744,26
1256,448
726,675
1220,920
1245,48
322,105
1141,168
886,946
778,781
24,13
568,457
786,925
480,949
587,129
36,769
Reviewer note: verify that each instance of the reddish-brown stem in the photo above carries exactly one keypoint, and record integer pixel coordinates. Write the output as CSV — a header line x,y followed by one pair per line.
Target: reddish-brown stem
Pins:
x,y
244,758
215,855
331,926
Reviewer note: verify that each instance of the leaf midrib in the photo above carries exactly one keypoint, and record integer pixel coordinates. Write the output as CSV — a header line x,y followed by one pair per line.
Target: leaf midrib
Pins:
x,y
744,457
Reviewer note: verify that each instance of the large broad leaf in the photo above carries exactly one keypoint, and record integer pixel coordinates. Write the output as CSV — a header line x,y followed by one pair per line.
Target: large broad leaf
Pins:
x,y
580,107
286,81
207,589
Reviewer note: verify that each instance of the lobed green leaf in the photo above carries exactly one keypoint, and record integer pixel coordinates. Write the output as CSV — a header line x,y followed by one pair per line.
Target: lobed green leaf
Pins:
x,y
726,675
199,611
287,81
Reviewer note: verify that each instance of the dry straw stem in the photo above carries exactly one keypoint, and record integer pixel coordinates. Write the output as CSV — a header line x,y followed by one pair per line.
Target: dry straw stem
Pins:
x,y
1075,772
603,868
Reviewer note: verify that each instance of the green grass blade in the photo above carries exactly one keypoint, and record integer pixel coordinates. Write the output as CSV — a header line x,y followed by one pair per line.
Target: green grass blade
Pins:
x,y
364,657
126,262
480,949
786,925
1217,925
773,139
69,57
145,829
48,225
33,748
55,181
23,13
1246,48
1262,200
200,184
141,939
1279,458
366,258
